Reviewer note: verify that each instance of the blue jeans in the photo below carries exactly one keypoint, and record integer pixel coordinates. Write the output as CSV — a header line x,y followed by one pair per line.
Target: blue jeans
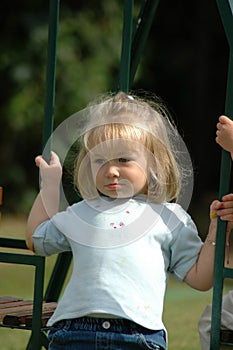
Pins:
x,y
89,333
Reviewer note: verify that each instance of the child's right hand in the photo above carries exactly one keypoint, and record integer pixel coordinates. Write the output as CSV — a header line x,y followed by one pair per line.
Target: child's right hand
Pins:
x,y
225,133
51,173
223,209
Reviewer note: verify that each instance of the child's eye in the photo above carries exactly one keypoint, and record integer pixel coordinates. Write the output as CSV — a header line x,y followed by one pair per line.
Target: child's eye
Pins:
x,y
123,160
100,161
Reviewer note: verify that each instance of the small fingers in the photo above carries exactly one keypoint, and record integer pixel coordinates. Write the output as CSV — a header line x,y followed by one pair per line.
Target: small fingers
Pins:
x,y
227,197
225,211
226,217
38,160
41,163
54,159
218,126
215,205
223,119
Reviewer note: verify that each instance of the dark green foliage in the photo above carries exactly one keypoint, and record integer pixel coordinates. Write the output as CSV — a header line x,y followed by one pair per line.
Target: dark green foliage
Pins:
x,y
88,54
185,62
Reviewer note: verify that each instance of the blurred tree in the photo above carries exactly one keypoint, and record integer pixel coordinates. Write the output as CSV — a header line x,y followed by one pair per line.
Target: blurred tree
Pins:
x,y
89,46
185,62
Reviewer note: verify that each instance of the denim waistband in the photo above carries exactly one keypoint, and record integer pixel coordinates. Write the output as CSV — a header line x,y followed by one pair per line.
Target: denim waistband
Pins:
x,y
118,325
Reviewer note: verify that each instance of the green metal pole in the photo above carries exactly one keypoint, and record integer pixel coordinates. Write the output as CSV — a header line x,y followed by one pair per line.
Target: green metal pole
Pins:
x,y
34,344
50,76
132,49
34,341
143,25
219,261
225,9
124,74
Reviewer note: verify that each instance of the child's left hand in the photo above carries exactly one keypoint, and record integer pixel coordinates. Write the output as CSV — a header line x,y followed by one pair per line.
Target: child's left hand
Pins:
x,y
224,210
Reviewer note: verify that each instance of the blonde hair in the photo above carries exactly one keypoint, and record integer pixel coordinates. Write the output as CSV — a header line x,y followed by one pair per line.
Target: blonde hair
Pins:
x,y
130,118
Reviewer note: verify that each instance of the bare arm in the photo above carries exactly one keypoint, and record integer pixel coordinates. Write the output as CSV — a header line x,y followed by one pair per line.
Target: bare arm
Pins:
x,y
47,201
200,276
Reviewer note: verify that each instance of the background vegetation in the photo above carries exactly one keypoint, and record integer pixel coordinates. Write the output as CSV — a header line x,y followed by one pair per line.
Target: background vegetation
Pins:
x,y
185,62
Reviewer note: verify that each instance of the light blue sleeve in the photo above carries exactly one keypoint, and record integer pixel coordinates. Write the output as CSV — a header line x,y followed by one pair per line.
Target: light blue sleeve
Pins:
x,y
49,240
184,249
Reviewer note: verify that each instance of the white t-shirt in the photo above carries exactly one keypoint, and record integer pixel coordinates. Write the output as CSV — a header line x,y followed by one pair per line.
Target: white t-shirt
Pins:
x,y
123,250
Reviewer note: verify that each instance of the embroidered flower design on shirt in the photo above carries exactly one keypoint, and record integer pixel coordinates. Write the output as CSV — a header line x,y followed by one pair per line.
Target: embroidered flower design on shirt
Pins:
x,y
115,226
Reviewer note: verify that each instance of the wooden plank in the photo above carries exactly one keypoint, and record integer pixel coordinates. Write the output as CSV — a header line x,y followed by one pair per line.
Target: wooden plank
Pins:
x,y
7,299
15,304
20,317
45,317
14,310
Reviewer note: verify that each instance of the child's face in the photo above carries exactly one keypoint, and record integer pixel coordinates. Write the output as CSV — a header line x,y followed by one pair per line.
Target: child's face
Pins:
x,y
119,168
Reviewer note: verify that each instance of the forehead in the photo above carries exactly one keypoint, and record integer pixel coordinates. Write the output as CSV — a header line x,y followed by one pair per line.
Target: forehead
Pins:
x,y
116,148
113,131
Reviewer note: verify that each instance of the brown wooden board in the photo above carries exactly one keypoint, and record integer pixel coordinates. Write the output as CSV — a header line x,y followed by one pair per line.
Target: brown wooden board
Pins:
x,y
7,299
15,304
23,315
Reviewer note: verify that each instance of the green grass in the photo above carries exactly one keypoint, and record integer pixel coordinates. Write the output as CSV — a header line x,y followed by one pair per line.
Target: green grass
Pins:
x,y
183,305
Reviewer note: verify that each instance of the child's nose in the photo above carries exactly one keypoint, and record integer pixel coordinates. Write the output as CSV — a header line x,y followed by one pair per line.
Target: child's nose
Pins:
x,y
112,169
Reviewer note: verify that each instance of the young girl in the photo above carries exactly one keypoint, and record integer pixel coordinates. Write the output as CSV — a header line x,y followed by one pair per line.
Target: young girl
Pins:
x,y
126,234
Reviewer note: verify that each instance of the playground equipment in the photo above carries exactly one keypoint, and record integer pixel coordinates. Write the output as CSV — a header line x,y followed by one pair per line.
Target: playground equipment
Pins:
x,y
221,272
32,316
